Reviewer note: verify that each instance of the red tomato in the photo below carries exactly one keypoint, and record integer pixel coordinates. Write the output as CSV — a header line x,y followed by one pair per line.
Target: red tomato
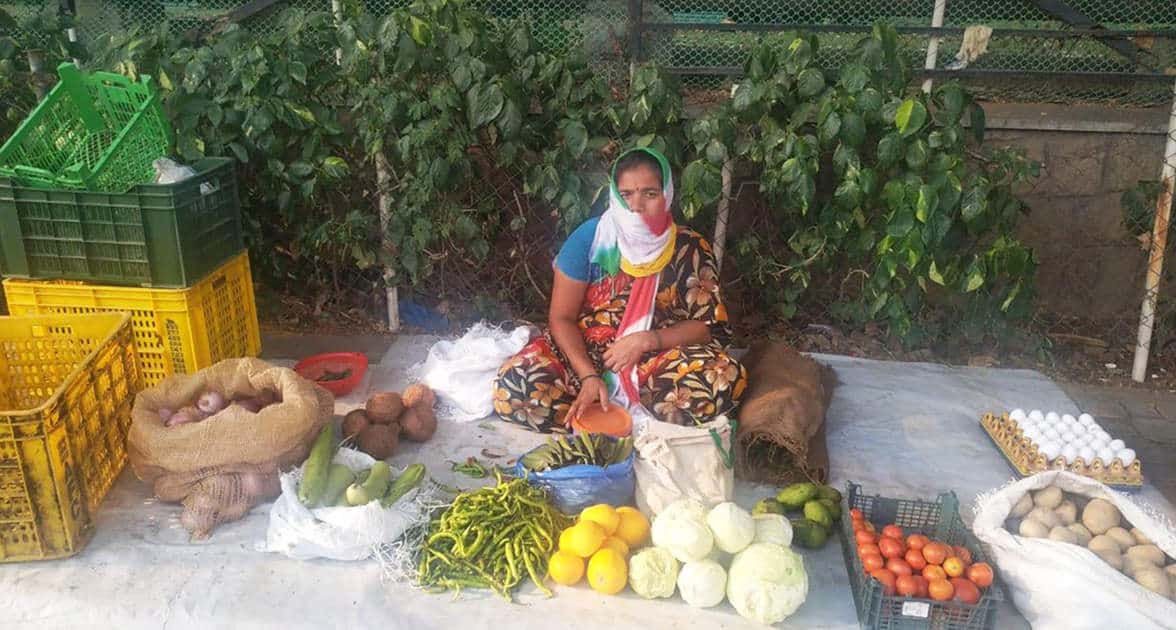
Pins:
x,y
892,531
965,591
917,541
907,586
872,562
890,547
915,558
899,566
887,578
980,574
869,548
963,554
856,515
923,584
864,538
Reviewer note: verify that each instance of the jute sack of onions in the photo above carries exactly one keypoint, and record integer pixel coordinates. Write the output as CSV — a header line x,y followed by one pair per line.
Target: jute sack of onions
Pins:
x,y
217,439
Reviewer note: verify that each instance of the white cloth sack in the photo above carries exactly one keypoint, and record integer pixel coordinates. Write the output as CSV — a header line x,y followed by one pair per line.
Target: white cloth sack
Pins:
x,y
462,372
675,462
338,533
1064,586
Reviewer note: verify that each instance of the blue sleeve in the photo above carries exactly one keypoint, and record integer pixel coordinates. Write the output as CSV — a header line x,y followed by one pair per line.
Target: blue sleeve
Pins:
x,y
573,256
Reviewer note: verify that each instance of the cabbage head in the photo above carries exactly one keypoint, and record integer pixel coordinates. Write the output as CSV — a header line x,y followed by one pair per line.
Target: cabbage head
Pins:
x,y
653,572
702,584
773,528
767,583
732,527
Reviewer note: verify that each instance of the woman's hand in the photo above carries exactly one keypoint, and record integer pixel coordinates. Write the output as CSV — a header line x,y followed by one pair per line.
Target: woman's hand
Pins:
x,y
592,389
628,350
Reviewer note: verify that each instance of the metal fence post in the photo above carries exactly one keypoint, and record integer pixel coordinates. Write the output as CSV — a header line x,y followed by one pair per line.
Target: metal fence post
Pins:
x,y
1159,242
933,41
636,24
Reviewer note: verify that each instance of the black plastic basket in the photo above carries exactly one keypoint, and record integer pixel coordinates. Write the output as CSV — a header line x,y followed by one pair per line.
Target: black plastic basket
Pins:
x,y
939,520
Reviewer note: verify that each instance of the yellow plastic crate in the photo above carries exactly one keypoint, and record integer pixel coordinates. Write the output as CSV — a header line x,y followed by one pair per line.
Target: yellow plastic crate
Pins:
x,y
177,331
67,383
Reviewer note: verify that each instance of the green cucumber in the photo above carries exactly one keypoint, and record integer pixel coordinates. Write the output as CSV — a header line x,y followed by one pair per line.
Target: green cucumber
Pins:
x,y
338,479
314,473
373,487
410,479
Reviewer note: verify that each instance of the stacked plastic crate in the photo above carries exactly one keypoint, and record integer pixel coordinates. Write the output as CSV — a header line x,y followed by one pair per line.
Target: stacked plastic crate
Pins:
x,y
83,229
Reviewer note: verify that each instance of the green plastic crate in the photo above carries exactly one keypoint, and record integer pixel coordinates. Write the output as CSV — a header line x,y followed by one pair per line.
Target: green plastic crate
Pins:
x,y
98,131
156,235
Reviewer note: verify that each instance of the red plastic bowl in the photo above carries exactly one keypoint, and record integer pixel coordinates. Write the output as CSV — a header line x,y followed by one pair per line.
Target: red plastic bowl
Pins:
x,y
315,367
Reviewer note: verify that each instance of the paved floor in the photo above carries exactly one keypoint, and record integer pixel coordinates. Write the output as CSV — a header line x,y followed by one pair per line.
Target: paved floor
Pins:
x,y
1145,420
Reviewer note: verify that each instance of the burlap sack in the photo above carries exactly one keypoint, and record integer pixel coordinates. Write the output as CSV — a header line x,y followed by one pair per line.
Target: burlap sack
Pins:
x,y
220,468
781,435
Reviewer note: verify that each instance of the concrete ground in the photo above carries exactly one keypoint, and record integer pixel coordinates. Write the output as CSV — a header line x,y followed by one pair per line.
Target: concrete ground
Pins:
x,y
1145,419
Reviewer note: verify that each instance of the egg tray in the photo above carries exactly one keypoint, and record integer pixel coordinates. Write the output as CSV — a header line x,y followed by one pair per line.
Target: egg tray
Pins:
x,y
1024,456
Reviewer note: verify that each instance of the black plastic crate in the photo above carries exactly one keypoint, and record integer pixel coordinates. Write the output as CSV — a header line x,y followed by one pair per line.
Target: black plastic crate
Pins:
x,y
939,520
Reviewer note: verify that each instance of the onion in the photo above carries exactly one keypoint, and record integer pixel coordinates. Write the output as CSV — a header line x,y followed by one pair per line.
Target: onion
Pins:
x,y
210,402
252,405
165,413
184,416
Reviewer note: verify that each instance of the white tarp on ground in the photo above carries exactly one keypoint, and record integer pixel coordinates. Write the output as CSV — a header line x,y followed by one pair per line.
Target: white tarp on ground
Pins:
x,y
899,429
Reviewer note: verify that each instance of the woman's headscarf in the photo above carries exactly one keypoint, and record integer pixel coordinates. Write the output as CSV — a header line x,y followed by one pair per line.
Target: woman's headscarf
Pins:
x,y
624,241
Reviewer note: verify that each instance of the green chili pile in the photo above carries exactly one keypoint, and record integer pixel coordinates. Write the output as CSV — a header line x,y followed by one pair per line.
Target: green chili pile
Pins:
x,y
493,538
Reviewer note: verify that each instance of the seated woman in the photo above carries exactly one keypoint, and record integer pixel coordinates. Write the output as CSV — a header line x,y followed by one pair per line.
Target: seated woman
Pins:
x,y
635,318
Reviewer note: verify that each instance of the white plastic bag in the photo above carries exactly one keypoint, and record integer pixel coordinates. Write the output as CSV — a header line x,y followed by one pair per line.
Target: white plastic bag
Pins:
x,y
675,462
462,372
338,533
1059,585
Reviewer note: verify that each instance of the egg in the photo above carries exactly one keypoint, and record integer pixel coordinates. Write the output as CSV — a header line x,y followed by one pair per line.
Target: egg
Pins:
x,y
1018,415
1052,417
1050,450
1087,455
1101,435
1036,415
1127,456
1116,445
1085,438
1033,434
1069,453
1068,419
1086,418
1106,456
1098,445
1052,434
1069,438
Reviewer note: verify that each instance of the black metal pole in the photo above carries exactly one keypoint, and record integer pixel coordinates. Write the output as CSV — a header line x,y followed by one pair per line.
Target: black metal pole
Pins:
x,y
636,30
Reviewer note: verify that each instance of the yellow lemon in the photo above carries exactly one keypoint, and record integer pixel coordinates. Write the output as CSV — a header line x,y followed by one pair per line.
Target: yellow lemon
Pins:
x,y
633,528
607,572
565,568
583,539
603,515
617,545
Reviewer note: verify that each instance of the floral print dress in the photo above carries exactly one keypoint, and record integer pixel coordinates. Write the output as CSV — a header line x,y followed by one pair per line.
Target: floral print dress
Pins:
x,y
684,385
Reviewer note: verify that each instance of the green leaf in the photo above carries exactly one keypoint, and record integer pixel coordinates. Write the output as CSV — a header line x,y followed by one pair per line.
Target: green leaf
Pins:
x,y
934,275
895,194
853,129
804,190
800,54
869,102
164,79
830,128
576,138
954,99
702,181
848,195
854,77
890,149
890,111
937,228
791,170
916,155
868,180
462,77
716,152
910,116
239,151
302,112
298,71
928,201
978,123
335,167
975,202
975,277
420,30
510,122
935,139
844,158
744,97
900,223
950,192
300,169
810,82
880,301
483,104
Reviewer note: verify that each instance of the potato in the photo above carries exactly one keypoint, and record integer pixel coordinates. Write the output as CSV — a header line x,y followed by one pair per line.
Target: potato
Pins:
x,y
1151,553
379,440
384,407
418,394
355,421
1045,516
1171,569
1110,557
1131,566
1122,536
1024,504
1100,516
1154,580
1081,533
1062,534
418,423
1067,512
1031,528
1103,542
1049,498
1140,537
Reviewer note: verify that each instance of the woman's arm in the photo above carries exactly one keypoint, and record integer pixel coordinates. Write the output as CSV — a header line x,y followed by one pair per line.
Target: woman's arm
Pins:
x,y
629,349
567,296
